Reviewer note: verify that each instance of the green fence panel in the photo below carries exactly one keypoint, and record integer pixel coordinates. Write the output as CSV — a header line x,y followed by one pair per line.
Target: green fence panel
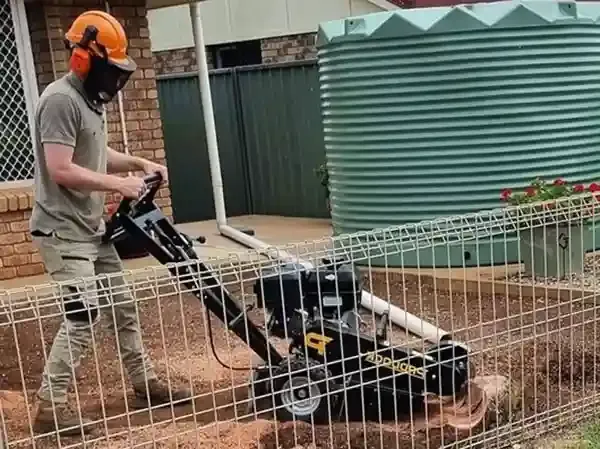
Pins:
x,y
186,148
283,134
270,137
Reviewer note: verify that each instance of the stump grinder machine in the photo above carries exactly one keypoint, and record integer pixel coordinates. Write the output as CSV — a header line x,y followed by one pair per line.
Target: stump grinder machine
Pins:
x,y
332,371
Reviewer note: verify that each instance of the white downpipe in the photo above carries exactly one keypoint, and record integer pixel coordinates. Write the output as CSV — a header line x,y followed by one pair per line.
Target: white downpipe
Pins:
x,y
399,317
209,116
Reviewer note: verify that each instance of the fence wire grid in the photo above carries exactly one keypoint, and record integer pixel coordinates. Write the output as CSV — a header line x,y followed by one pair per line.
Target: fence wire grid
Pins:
x,y
523,365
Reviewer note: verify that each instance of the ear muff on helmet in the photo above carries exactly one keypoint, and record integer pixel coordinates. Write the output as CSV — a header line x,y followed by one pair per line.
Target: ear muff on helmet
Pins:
x,y
81,55
80,61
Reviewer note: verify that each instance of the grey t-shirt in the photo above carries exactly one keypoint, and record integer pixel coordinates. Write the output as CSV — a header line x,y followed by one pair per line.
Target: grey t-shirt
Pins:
x,y
65,116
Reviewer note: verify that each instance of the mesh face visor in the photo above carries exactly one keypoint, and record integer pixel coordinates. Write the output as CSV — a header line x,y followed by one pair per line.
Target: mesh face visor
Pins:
x,y
106,76
106,79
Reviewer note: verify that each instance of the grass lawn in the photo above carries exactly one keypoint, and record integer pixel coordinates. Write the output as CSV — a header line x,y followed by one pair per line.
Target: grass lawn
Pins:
x,y
587,437
591,436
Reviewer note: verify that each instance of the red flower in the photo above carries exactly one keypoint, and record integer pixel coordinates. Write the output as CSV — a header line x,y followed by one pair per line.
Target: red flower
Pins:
x,y
578,188
594,187
530,191
560,182
505,195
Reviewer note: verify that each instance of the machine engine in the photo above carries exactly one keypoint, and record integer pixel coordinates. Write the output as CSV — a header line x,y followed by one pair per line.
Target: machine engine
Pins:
x,y
295,296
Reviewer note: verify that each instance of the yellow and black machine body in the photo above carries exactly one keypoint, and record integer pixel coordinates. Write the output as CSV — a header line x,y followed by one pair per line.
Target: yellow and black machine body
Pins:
x,y
334,369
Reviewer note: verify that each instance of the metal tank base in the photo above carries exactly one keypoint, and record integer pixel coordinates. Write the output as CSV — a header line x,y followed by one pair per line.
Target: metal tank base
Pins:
x,y
468,254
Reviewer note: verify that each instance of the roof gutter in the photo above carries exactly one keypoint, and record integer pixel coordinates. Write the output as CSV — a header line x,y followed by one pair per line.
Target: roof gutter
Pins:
x,y
385,5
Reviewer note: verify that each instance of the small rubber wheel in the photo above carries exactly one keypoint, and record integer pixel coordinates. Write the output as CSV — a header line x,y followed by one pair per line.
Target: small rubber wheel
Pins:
x,y
303,396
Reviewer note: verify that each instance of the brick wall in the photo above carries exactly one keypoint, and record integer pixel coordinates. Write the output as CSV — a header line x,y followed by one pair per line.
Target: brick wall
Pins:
x,y
278,49
181,60
18,256
48,21
289,48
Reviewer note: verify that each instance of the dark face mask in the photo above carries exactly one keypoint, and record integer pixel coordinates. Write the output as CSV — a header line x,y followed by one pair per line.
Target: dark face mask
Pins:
x,y
104,80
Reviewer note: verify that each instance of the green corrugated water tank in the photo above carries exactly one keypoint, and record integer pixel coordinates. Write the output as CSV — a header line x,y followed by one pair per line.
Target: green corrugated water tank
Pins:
x,y
431,112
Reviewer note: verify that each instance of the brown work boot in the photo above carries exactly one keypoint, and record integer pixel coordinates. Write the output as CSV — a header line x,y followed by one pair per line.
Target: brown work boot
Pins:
x,y
67,421
159,395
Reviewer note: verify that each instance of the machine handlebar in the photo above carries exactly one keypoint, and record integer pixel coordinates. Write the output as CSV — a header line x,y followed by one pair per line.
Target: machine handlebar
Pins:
x,y
153,178
152,182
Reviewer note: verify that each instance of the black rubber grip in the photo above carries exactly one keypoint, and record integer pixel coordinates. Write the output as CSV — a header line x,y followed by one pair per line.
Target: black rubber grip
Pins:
x,y
152,183
154,178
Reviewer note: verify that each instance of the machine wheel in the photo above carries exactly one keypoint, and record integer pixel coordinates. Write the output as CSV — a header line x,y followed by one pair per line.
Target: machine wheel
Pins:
x,y
301,392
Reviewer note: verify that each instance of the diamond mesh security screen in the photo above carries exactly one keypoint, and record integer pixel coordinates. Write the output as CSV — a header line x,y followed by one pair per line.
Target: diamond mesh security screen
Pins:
x,y
16,149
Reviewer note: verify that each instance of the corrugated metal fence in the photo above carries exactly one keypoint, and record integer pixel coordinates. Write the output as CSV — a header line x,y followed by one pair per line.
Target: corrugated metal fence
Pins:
x,y
270,135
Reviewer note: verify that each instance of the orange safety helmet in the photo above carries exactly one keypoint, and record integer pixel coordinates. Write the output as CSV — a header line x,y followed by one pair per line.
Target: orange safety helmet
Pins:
x,y
97,33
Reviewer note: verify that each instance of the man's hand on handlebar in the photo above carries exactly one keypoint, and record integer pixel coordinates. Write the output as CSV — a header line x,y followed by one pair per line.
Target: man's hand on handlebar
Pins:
x,y
132,187
134,190
151,168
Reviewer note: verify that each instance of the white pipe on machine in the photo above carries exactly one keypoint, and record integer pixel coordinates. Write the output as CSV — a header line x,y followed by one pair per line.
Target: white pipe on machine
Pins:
x,y
399,317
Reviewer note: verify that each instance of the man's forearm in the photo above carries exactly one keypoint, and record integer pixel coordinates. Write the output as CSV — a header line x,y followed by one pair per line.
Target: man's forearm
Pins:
x,y
76,177
122,163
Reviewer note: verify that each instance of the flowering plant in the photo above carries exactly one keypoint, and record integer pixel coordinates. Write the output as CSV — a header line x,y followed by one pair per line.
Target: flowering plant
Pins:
x,y
539,201
542,191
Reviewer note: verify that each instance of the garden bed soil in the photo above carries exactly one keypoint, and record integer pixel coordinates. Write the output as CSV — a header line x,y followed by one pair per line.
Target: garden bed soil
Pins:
x,y
545,347
588,281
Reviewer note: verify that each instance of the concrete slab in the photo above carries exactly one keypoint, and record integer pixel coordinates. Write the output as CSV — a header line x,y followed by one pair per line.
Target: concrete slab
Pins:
x,y
273,230
270,229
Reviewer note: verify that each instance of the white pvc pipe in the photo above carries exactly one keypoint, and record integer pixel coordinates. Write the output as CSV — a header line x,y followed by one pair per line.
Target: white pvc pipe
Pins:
x,y
379,306
209,116
50,47
123,124
402,318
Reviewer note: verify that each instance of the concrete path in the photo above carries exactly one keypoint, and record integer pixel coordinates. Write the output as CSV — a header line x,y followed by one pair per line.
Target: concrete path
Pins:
x,y
273,230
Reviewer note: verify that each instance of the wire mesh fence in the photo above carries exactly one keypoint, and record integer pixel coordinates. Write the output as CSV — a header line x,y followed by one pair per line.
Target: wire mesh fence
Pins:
x,y
357,354
16,155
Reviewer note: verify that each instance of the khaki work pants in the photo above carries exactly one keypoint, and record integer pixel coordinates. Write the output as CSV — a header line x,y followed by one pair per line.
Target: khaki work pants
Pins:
x,y
74,262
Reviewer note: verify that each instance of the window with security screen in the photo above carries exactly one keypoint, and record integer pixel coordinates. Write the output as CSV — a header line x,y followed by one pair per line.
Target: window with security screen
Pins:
x,y
16,148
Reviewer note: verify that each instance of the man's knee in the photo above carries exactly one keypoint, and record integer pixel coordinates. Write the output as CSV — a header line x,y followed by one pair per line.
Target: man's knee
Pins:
x,y
124,315
77,309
